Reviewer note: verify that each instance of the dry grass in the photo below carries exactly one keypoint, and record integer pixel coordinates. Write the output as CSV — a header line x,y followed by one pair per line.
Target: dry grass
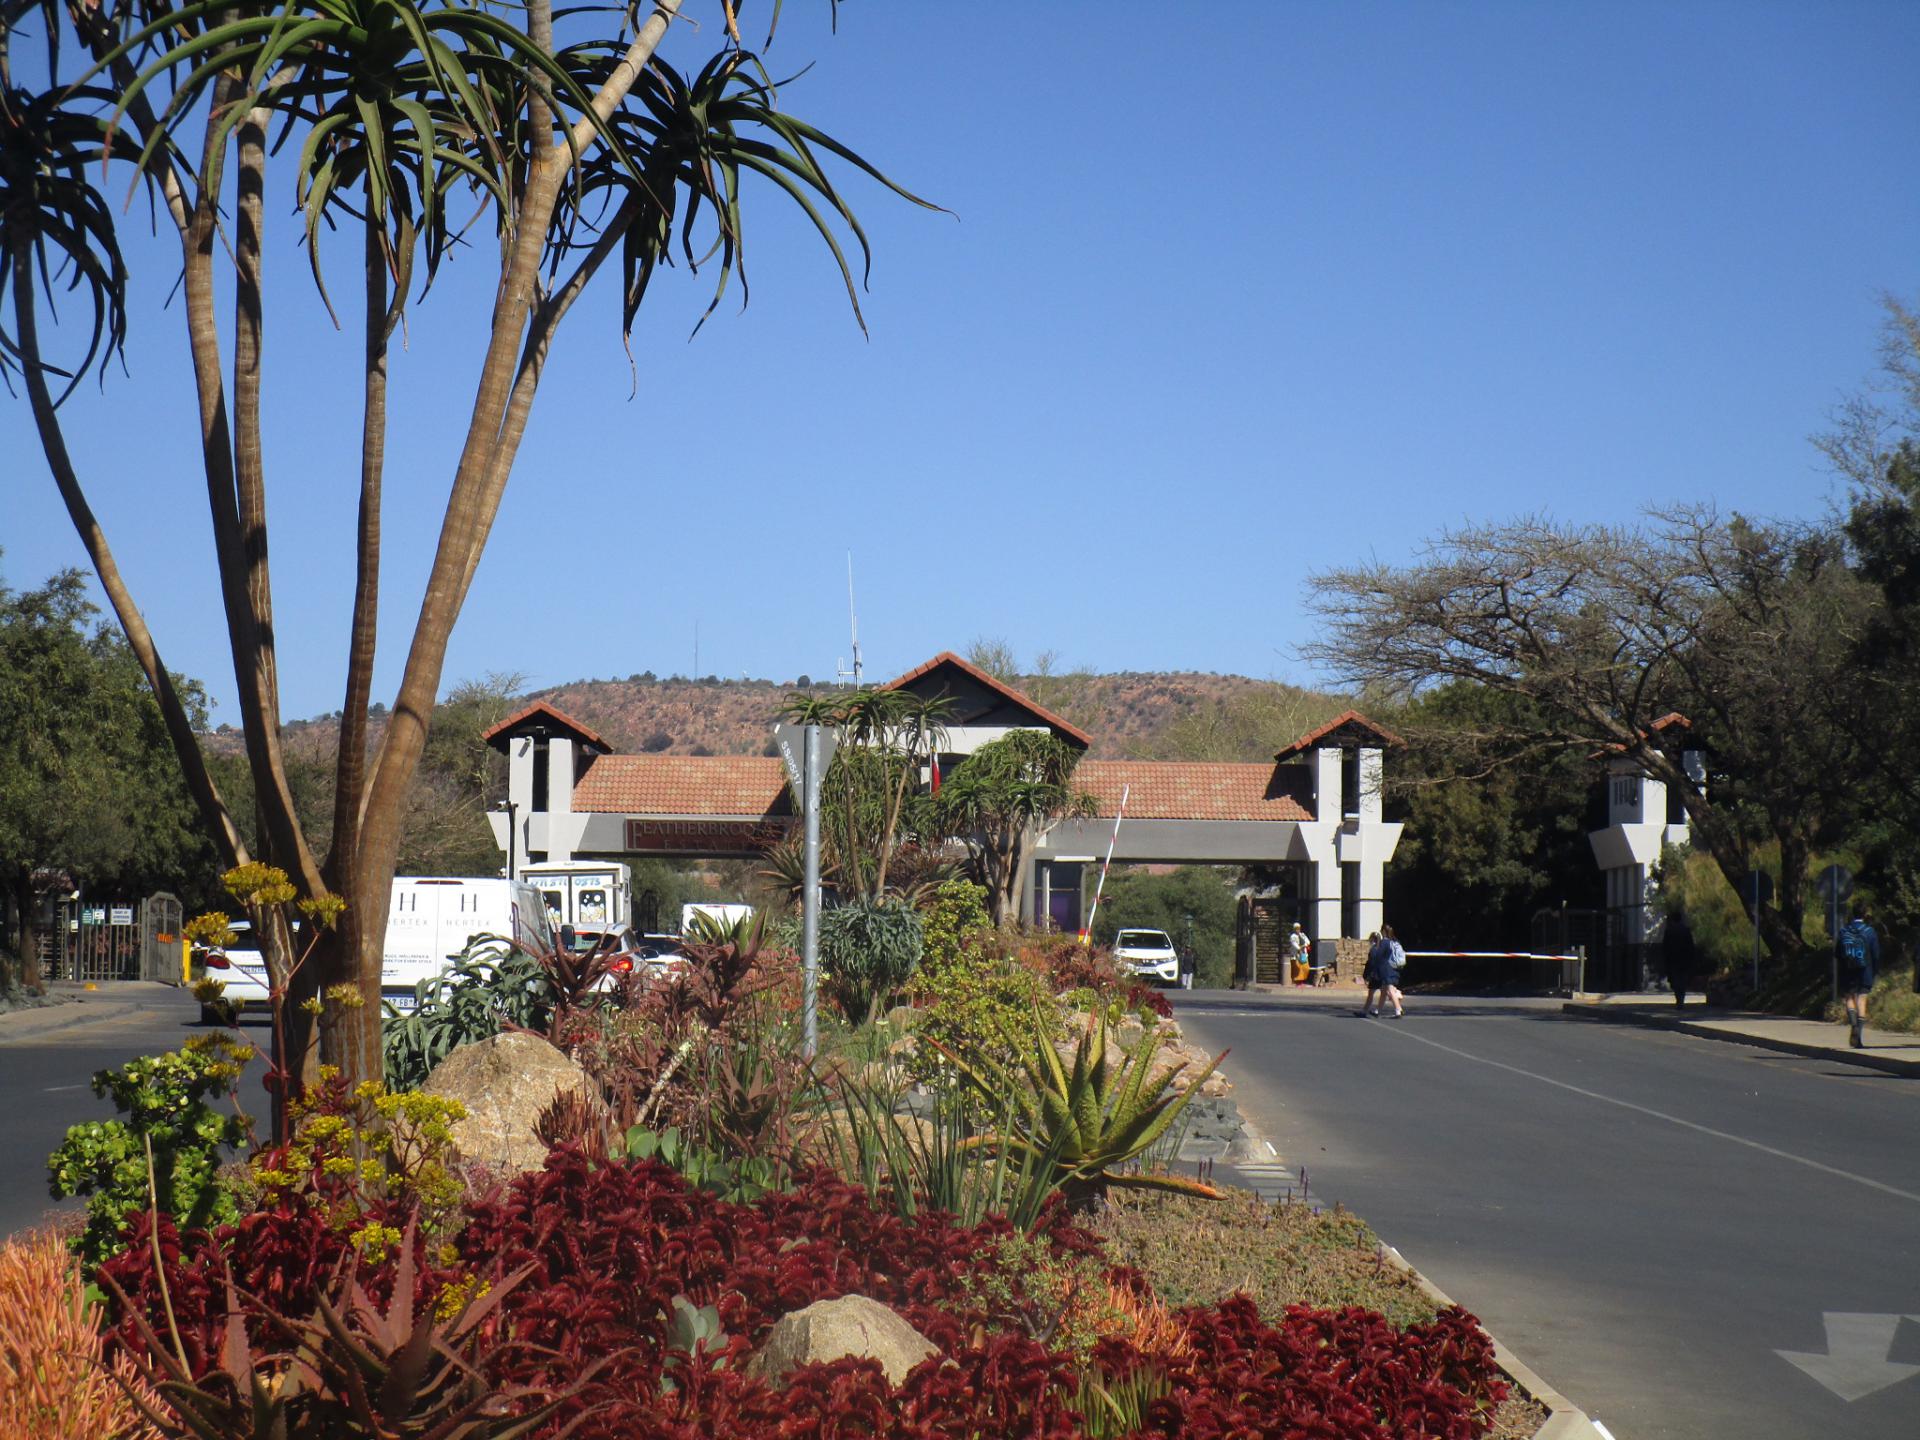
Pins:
x,y
54,1384
1198,1252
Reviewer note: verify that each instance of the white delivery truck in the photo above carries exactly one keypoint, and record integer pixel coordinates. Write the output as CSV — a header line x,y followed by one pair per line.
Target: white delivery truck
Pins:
x,y
724,915
588,895
432,919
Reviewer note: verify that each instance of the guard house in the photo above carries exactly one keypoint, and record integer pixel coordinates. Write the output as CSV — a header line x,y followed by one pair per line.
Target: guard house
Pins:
x,y
1307,827
1643,818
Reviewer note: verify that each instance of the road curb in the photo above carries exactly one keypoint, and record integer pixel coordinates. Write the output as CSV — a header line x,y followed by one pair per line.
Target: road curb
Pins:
x,y
1565,1420
1865,1059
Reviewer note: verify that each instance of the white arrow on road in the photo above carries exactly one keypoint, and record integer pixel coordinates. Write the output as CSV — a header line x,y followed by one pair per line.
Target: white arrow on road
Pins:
x,y
1856,1363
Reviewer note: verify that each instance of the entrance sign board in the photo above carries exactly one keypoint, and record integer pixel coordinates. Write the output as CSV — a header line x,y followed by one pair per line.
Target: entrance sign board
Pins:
x,y
705,837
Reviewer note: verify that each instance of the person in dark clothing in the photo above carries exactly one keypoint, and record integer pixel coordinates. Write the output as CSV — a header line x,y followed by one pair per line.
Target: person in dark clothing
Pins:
x,y
1857,947
1677,946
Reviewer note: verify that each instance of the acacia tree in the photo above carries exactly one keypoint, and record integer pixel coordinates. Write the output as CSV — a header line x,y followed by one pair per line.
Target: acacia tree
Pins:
x,y
1746,629
999,796
578,143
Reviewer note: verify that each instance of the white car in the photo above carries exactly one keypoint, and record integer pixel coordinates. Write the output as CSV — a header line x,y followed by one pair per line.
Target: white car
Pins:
x,y
1149,954
241,969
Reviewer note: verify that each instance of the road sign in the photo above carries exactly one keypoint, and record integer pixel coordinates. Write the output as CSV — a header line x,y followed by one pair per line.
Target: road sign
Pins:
x,y
121,915
1835,884
93,915
791,741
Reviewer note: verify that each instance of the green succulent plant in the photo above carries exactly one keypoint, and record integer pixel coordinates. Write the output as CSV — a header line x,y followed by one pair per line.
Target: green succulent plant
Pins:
x,y
1089,1121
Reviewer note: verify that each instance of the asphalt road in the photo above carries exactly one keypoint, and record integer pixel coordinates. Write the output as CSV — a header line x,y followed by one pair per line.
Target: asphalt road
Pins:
x,y
1647,1219
47,1062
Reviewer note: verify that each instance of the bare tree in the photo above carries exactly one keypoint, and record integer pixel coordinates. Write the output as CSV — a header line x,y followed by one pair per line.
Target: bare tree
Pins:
x,y
1743,628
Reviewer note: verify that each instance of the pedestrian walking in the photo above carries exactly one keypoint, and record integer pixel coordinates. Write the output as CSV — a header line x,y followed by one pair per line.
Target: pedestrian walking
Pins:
x,y
1677,946
1390,973
1186,967
1857,947
1297,951
1377,954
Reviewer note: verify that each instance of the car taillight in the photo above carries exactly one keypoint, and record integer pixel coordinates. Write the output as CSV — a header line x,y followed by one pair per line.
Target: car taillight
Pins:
x,y
217,961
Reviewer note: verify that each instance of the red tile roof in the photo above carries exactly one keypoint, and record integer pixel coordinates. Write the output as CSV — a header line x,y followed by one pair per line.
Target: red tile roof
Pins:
x,y
1188,790
683,785
556,717
947,657
1344,719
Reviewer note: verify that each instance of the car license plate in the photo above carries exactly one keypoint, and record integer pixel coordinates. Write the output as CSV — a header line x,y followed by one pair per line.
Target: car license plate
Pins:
x,y
402,1000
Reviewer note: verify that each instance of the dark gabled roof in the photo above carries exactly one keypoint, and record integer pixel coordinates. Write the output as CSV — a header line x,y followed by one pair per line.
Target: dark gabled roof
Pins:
x,y
542,718
980,677
1349,727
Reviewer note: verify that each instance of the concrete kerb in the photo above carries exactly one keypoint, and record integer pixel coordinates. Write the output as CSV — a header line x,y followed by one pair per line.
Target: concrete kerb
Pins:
x,y
1565,1420
1866,1059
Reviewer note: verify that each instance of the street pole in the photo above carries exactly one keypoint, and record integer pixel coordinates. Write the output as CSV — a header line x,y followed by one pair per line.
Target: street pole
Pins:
x,y
1756,932
810,898
1833,935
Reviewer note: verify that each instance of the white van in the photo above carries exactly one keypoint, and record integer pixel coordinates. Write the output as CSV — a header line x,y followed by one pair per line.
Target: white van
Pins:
x,y
431,919
587,895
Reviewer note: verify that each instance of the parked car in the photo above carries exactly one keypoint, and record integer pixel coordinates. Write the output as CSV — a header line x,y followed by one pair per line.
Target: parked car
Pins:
x,y
1149,954
241,969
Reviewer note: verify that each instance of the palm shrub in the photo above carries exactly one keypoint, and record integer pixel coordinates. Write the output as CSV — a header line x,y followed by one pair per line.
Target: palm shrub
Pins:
x,y
1083,1124
868,950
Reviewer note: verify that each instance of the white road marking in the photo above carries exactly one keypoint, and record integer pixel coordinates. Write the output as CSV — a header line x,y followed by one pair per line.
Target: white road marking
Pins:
x,y
56,1089
1856,1362
1774,1151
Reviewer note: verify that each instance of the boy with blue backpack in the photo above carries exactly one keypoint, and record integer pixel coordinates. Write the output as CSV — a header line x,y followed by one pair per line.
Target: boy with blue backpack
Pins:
x,y
1858,949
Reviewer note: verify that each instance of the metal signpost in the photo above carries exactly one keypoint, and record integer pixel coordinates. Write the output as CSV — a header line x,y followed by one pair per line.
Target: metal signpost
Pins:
x,y
1836,883
1756,892
807,751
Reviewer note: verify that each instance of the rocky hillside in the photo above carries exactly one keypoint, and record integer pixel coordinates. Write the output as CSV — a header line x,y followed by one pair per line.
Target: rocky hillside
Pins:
x,y
1160,716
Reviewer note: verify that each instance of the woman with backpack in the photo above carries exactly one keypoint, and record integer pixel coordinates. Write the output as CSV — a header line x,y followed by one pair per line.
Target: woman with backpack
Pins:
x,y
1385,961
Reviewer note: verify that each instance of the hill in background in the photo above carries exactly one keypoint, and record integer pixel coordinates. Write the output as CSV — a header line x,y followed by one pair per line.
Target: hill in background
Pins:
x,y
1130,715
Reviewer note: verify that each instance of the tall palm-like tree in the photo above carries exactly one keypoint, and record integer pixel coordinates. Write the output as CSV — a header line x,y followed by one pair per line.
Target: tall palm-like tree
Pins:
x,y
384,115
999,796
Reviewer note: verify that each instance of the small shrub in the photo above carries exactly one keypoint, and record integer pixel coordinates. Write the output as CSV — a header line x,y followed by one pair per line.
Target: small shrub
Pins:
x,y
868,951
953,917
982,1005
167,1151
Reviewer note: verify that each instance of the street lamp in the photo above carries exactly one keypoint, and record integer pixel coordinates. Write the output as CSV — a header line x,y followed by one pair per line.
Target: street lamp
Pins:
x,y
511,810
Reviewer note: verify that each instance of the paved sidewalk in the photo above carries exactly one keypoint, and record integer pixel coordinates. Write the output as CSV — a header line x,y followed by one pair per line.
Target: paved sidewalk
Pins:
x,y
77,1005
1886,1051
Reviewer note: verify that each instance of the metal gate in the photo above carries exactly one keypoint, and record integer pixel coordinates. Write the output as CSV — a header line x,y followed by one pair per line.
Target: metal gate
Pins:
x,y
160,952
102,940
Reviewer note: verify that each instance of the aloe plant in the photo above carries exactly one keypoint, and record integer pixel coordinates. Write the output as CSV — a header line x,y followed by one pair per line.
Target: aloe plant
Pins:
x,y
1088,1121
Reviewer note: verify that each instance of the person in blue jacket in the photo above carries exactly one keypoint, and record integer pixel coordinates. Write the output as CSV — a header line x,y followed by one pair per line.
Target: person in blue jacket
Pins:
x,y
1857,947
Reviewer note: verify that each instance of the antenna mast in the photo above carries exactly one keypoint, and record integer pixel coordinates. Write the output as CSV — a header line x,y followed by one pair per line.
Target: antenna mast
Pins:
x,y
853,616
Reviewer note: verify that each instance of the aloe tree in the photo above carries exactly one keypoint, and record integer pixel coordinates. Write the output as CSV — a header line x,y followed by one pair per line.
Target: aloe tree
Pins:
x,y
999,796
381,114
875,789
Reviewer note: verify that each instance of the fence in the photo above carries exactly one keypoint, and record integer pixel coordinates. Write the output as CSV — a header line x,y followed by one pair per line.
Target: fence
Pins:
x,y
1549,974
96,941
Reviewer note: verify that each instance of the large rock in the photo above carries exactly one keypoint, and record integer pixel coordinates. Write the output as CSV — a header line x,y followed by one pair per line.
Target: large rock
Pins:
x,y
833,1329
504,1082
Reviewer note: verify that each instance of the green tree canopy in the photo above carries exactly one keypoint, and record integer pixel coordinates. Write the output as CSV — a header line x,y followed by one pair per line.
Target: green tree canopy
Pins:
x,y
88,784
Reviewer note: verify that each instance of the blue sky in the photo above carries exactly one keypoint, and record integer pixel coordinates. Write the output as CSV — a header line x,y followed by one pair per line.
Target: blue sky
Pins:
x,y
1230,293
